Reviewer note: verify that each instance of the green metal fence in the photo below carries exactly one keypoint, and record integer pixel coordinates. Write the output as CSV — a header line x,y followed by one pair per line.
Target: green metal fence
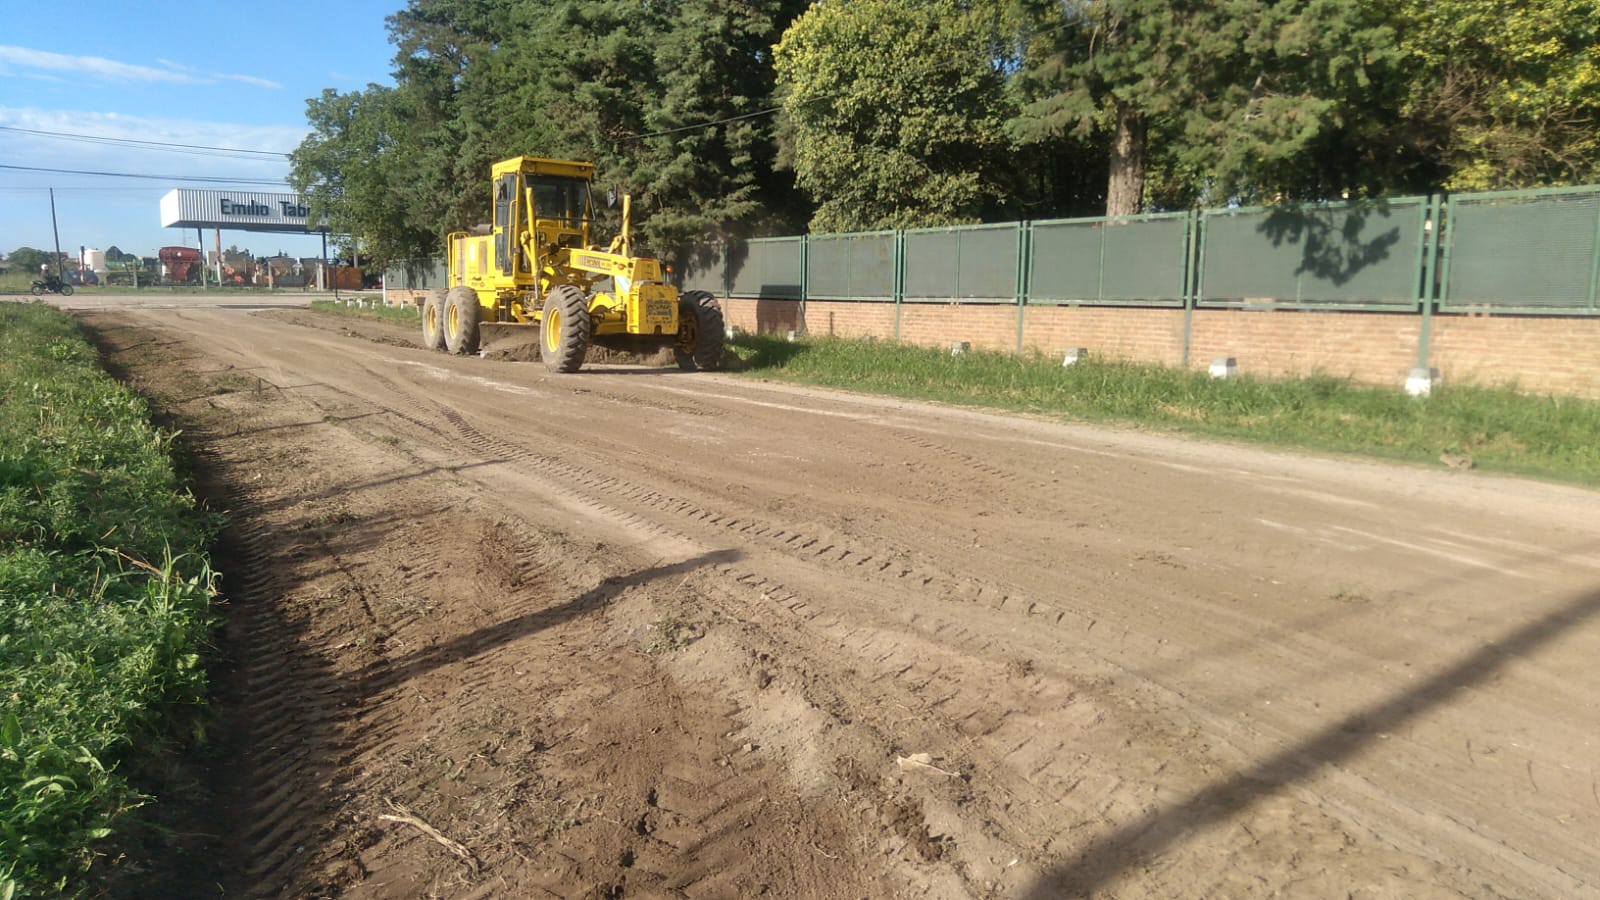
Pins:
x,y
975,264
1133,260
1526,252
1521,252
862,266
1367,255
706,269
767,268
415,275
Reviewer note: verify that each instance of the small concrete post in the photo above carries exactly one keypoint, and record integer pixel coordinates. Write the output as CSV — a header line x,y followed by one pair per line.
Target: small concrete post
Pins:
x,y
1420,381
959,347
1224,367
1074,356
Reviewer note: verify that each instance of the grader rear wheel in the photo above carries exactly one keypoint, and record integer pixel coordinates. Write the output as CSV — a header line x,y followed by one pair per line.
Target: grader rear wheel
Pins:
x,y
433,319
564,329
700,337
461,320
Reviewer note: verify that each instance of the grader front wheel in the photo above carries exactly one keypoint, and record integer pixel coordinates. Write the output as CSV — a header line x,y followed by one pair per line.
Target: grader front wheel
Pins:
x,y
564,329
461,320
700,337
433,319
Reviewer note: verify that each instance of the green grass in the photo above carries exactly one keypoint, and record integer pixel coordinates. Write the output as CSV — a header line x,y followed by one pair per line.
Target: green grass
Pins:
x,y
105,594
1499,428
368,309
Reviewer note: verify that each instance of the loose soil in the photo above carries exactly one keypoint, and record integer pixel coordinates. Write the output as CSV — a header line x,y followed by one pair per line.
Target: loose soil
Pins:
x,y
492,632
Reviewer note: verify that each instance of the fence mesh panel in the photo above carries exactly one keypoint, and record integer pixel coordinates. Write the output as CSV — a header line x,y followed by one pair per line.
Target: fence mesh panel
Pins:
x,y
1348,254
416,274
767,268
705,269
971,263
1522,252
851,266
1109,261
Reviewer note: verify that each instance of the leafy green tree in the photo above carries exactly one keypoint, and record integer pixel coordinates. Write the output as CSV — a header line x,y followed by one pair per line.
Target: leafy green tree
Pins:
x,y
1219,100
1504,95
896,112
718,180
349,171
27,259
642,90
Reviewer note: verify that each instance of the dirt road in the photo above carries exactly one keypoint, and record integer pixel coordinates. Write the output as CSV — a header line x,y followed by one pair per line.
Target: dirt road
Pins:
x,y
497,633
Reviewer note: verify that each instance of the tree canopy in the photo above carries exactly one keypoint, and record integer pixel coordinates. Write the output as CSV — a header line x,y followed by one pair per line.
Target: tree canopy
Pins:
x,y
897,112
733,118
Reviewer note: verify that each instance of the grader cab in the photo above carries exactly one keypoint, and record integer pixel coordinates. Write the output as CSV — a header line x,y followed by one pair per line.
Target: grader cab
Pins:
x,y
534,274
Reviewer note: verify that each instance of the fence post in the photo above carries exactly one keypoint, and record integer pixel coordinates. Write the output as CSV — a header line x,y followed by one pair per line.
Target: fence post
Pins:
x,y
1024,248
1594,264
1194,254
1429,246
899,279
805,279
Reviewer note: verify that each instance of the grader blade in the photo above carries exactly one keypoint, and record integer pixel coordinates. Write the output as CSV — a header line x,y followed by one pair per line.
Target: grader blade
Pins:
x,y
508,340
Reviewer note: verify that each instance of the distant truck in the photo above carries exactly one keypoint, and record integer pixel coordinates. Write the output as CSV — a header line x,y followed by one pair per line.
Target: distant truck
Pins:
x,y
179,265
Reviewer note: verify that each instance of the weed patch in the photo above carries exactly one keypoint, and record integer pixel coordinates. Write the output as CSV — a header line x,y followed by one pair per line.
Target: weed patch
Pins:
x,y
105,600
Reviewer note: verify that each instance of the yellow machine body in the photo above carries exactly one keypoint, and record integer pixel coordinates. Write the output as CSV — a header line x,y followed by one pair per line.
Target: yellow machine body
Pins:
x,y
540,239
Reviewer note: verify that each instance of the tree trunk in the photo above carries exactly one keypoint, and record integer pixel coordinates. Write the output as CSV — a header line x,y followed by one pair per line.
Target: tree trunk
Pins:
x,y
1125,187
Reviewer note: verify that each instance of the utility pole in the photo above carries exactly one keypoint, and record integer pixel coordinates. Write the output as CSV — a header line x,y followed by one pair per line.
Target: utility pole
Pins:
x,y
57,232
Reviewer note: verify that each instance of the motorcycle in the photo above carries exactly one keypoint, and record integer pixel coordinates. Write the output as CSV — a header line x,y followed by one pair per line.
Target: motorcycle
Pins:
x,y
54,285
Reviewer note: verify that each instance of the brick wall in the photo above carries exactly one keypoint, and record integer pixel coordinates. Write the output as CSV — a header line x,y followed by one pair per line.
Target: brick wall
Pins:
x,y
1141,334
1379,348
762,316
398,297
1538,354
985,326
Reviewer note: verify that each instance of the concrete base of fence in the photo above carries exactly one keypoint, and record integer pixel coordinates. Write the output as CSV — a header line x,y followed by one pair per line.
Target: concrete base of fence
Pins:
x,y
1420,382
1073,356
959,347
1224,367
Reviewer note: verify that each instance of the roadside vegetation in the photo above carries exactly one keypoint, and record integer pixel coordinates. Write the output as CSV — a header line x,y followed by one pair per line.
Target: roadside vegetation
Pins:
x,y
17,280
1490,428
105,601
370,307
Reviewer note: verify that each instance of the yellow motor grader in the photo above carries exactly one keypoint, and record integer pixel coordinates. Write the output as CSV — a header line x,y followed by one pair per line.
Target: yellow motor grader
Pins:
x,y
533,273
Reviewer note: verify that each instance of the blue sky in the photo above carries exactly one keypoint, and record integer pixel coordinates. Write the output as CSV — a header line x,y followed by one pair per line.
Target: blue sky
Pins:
x,y
214,75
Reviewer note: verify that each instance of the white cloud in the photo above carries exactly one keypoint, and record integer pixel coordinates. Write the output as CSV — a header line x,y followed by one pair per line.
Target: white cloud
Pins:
x,y
112,70
251,79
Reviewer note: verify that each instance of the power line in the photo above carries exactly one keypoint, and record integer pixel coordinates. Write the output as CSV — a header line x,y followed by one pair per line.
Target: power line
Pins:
x,y
198,179
750,115
171,147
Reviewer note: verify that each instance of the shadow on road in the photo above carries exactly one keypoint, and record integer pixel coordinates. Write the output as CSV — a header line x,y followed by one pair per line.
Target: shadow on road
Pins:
x,y
385,674
1108,857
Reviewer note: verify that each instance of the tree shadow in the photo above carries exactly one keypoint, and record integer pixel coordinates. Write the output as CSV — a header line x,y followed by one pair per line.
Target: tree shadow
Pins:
x,y
1332,241
777,303
769,352
382,675
1109,856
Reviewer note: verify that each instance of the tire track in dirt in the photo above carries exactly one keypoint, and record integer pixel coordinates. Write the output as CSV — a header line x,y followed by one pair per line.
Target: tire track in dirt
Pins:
x,y
354,729
1043,708
1056,772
